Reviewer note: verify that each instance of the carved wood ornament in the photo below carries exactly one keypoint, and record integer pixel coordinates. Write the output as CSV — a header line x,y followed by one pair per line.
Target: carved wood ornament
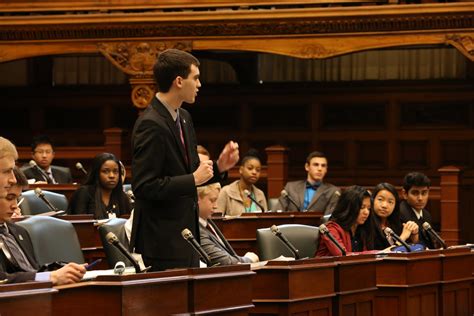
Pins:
x,y
136,59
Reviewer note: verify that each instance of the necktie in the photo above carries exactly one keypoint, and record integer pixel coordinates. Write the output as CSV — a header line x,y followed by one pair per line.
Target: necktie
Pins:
x,y
17,256
314,186
181,136
51,178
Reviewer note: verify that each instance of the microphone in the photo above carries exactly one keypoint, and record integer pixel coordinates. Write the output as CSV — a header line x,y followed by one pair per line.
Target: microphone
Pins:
x,y
113,240
249,195
131,196
34,165
431,231
389,232
325,231
81,168
287,196
39,193
188,236
276,231
119,267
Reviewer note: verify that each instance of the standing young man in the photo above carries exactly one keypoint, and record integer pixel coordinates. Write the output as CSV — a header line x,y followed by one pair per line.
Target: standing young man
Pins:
x,y
166,167
311,194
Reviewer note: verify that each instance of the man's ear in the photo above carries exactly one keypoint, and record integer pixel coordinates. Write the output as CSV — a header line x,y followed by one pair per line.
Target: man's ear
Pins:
x,y
178,81
306,167
404,194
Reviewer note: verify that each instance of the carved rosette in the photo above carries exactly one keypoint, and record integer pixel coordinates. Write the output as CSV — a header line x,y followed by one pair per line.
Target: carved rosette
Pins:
x,y
315,51
465,44
138,58
142,94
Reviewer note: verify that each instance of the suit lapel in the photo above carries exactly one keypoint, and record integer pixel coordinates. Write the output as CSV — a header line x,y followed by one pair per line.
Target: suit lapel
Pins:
x,y
225,243
317,194
301,189
161,109
24,245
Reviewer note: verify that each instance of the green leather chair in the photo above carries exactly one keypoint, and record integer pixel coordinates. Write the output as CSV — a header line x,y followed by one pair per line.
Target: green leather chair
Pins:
x,y
53,239
33,205
303,237
112,254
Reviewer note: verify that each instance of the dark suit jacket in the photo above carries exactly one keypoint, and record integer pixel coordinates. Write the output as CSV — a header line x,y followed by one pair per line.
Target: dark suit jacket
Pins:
x,y
218,252
163,184
60,174
9,271
325,198
407,214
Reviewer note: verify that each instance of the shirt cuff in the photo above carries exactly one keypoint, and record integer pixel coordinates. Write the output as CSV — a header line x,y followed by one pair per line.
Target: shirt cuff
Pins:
x,y
42,276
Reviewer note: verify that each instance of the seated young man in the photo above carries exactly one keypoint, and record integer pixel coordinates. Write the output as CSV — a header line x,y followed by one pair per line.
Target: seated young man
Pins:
x,y
43,155
17,260
416,191
212,240
311,194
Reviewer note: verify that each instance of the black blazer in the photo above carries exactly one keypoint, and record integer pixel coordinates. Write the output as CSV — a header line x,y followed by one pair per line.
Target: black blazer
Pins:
x,y
163,184
60,174
9,271
407,214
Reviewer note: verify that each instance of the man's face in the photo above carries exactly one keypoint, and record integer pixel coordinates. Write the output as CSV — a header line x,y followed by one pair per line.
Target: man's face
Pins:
x,y
43,155
317,169
417,197
190,85
9,203
7,178
208,204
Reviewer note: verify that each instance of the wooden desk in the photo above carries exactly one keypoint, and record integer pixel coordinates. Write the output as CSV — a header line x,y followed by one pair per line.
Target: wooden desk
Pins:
x,y
408,284
32,298
226,290
218,290
456,282
241,231
66,189
355,285
303,287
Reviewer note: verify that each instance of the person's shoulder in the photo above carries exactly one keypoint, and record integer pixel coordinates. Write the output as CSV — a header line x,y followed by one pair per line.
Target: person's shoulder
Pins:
x,y
16,229
61,169
294,183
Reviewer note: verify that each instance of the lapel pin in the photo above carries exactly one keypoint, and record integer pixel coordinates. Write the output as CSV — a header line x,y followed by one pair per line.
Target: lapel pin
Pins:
x,y
20,237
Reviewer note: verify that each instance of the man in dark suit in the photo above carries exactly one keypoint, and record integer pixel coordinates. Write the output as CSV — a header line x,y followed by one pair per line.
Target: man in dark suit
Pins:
x,y
43,155
166,167
213,241
311,194
17,259
416,191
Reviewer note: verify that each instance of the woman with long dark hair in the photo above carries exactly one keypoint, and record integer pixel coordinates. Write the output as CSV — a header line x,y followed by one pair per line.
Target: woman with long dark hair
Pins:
x,y
102,194
386,208
350,224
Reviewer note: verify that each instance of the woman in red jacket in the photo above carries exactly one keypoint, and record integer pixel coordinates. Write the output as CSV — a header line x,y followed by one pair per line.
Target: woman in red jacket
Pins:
x,y
350,224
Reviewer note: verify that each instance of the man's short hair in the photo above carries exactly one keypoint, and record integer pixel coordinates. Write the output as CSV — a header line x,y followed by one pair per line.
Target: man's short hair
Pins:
x,y
315,154
170,64
21,180
39,140
7,149
415,179
205,190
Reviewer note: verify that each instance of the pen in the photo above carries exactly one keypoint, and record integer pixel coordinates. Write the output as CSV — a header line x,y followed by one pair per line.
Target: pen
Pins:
x,y
21,201
92,264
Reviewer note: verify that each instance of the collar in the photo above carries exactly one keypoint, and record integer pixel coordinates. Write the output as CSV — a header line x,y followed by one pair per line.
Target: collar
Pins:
x,y
418,214
173,112
203,221
313,186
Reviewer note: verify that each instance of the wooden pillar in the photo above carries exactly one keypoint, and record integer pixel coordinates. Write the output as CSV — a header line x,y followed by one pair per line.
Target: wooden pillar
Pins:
x,y
114,141
277,169
450,188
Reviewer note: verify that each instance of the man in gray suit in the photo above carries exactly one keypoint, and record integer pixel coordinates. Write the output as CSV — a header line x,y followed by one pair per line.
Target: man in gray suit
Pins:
x,y
212,240
311,194
43,155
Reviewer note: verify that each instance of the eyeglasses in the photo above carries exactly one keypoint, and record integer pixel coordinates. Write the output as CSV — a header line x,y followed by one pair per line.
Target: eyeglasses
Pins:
x,y
41,152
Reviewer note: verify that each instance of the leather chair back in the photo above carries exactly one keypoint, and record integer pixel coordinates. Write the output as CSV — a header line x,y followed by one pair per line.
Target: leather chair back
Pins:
x,y
272,204
303,237
53,239
33,205
113,255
